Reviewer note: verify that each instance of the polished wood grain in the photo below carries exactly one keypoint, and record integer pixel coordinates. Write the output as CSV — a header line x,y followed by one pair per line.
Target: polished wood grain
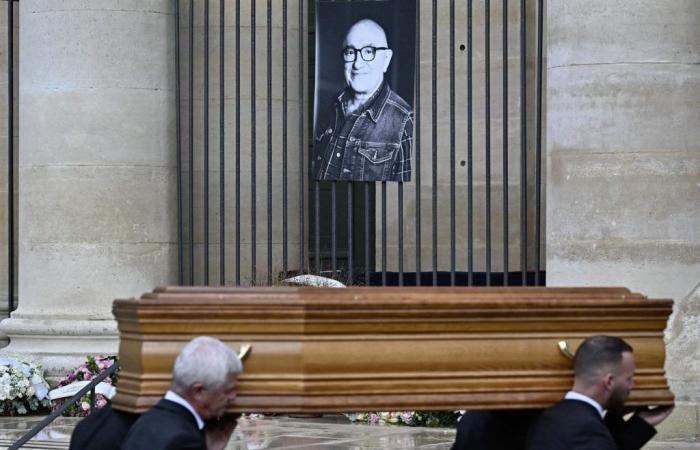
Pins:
x,y
356,349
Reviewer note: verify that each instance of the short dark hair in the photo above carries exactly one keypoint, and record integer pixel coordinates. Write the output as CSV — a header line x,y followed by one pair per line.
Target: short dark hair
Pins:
x,y
599,352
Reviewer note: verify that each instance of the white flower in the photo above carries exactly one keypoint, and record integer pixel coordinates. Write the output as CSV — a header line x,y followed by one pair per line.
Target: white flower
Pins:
x,y
19,381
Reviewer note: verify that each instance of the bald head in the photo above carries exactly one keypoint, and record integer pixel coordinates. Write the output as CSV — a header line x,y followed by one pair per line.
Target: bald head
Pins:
x,y
366,30
368,57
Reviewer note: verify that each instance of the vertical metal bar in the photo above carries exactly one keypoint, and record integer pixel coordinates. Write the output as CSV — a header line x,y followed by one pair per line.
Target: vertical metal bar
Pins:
x,y
238,143
400,233
487,149
538,157
92,391
10,159
317,231
470,167
417,166
351,215
367,280
505,143
302,148
435,147
383,233
253,194
269,142
178,147
453,243
334,231
206,142
284,140
222,163
191,140
523,144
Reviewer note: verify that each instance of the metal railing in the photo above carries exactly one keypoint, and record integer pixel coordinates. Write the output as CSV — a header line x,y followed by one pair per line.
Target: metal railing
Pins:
x,y
67,404
332,206
330,227
11,218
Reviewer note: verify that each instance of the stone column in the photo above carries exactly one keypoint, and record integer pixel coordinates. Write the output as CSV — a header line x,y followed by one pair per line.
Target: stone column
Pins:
x,y
623,145
96,169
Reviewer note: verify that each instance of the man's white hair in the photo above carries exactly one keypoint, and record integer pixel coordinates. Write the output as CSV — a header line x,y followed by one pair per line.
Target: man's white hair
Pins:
x,y
205,360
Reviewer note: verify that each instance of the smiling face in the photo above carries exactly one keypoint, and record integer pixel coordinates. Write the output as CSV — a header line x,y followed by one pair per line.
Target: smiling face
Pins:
x,y
363,77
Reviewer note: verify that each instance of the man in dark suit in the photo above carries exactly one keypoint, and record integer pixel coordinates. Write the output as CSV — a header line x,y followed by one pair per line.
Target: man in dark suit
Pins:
x,y
103,429
603,378
493,430
204,380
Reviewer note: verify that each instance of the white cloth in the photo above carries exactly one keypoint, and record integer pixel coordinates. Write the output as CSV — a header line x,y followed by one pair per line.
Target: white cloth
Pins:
x,y
173,397
571,395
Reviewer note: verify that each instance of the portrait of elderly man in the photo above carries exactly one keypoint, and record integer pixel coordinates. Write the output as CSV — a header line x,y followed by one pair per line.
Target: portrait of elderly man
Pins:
x,y
367,133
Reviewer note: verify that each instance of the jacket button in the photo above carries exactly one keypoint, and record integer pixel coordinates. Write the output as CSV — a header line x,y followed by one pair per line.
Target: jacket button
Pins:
x,y
337,155
329,131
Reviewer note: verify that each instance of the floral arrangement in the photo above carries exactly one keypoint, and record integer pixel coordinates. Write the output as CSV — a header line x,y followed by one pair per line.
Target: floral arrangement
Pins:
x,y
90,369
444,419
22,387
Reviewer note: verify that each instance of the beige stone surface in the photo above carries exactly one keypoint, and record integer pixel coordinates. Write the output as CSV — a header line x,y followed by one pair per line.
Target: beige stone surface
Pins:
x,y
97,193
623,181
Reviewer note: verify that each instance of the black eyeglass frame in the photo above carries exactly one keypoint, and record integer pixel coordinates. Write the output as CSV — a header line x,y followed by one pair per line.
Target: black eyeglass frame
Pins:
x,y
357,51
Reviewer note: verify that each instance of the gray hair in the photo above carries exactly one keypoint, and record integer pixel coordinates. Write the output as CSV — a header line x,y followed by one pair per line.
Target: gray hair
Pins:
x,y
205,360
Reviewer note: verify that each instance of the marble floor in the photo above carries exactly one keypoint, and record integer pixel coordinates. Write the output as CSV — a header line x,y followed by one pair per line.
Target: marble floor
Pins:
x,y
327,433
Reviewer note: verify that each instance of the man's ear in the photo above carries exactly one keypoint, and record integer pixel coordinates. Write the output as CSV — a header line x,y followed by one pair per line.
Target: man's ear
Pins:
x,y
196,390
387,58
609,381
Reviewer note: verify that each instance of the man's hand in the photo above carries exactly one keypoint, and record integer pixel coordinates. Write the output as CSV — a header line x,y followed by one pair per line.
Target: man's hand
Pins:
x,y
654,416
219,431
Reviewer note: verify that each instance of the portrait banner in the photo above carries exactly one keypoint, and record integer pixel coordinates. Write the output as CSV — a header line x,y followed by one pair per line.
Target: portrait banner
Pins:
x,y
363,103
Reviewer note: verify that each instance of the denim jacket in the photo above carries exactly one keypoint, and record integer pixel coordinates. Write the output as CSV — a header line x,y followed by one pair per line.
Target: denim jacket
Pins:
x,y
372,144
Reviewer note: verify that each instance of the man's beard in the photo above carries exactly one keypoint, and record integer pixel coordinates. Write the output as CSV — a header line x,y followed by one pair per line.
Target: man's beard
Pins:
x,y
616,403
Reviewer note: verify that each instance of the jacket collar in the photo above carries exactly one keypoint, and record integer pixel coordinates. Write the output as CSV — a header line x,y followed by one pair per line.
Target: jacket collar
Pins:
x,y
573,395
175,398
375,105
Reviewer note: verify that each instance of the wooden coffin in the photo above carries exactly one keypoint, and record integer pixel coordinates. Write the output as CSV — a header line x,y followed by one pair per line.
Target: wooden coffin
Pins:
x,y
362,349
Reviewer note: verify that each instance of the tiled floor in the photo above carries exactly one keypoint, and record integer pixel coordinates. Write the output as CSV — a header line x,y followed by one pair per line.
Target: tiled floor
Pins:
x,y
327,433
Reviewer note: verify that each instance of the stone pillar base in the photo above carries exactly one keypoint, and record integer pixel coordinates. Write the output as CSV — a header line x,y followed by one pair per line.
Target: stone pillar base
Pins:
x,y
60,345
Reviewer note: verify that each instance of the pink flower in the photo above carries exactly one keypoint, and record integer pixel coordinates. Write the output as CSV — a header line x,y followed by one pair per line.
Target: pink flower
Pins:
x,y
85,406
101,402
373,419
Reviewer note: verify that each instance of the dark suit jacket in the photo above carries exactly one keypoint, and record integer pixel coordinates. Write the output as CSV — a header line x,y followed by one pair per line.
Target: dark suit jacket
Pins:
x,y
104,429
576,425
167,426
493,430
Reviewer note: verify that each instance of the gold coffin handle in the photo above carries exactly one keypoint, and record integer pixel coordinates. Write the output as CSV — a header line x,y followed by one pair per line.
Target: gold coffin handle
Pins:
x,y
243,352
566,351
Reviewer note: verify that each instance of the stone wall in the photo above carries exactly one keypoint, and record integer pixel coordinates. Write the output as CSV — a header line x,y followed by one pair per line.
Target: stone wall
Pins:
x,y
96,171
623,147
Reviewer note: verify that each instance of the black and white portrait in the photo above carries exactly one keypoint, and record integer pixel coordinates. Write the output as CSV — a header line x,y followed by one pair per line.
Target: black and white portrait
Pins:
x,y
363,109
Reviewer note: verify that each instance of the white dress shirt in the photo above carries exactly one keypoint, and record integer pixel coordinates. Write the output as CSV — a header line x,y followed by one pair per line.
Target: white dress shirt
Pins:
x,y
173,397
571,395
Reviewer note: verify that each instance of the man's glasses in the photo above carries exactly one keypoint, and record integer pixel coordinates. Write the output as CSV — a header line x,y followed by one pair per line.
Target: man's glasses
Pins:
x,y
367,53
